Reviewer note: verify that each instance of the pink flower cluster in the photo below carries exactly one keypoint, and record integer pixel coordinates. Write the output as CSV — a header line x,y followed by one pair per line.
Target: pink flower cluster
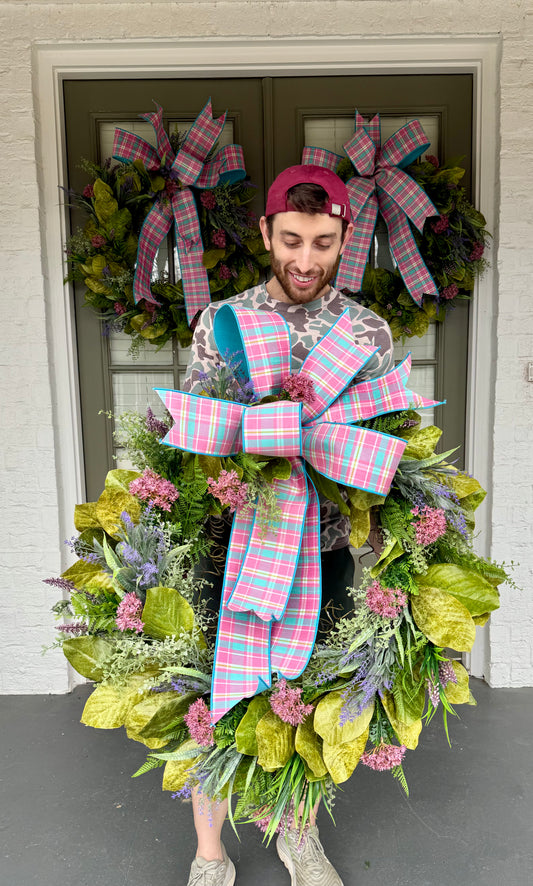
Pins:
x,y
229,490
119,309
98,241
430,526
224,272
477,251
288,705
447,673
155,489
441,225
208,199
383,757
128,612
433,160
88,192
198,721
387,602
299,387
450,291
218,238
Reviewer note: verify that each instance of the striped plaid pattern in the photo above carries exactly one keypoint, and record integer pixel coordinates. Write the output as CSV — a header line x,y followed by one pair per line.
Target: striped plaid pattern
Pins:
x,y
277,576
353,456
377,397
293,637
242,660
192,169
273,429
379,183
266,346
203,424
332,364
415,274
270,560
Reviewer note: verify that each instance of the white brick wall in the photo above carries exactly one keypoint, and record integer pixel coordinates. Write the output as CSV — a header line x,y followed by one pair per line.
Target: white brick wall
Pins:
x,y
30,535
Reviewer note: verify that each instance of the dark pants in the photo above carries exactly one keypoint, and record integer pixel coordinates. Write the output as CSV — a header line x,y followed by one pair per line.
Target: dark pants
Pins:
x,y
337,576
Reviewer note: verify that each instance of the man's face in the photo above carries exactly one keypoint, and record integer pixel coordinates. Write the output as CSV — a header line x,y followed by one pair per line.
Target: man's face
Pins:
x,y
305,252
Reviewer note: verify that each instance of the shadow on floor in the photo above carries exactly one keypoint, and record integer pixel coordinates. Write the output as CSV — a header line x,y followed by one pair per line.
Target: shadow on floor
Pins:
x,y
71,815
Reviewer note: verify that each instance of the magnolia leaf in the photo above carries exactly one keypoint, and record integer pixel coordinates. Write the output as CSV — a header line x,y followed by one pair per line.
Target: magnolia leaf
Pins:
x,y
341,759
97,286
120,479
85,516
362,500
86,655
422,443
458,693
211,257
275,741
276,469
389,553
470,588
152,715
178,771
443,619
111,504
309,745
82,574
108,706
155,744
463,485
210,465
359,527
153,331
409,698
327,720
166,613
407,734
245,737
105,204
328,488
419,324
480,620
244,279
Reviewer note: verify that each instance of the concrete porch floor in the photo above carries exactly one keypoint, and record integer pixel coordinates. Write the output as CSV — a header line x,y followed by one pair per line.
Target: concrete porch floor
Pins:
x,y
70,814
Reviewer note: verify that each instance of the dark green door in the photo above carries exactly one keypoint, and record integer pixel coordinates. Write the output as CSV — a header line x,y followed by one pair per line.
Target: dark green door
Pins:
x,y
272,118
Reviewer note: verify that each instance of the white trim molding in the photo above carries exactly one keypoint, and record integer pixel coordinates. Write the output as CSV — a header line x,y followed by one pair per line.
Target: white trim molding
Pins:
x,y
214,57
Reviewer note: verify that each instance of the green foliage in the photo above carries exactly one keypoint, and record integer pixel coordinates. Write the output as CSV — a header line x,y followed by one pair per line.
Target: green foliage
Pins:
x,y
103,254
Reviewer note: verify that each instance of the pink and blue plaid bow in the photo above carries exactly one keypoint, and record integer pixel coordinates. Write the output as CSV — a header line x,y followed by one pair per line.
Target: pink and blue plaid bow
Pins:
x,y
188,167
381,185
271,596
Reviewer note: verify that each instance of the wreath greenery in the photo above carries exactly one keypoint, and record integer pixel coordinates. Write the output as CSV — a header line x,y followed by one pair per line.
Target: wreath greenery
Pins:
x,y
103,253
452,247
135,622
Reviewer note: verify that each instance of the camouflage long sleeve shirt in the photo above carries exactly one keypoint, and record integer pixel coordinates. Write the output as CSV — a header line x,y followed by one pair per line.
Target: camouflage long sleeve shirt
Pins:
x,y
308,324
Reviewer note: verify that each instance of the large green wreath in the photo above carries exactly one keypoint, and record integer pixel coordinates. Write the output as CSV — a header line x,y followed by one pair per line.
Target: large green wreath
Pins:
x,y
102,255
135,623
452,246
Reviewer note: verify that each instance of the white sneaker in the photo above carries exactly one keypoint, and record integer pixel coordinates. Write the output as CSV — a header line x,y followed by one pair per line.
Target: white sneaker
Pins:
x,y
212,873
304,858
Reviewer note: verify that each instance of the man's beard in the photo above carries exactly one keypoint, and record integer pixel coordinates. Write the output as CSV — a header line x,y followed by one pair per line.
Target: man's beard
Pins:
x,y
302,297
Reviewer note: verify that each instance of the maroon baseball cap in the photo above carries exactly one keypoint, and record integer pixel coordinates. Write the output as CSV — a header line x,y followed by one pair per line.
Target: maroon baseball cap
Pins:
x,y
338,203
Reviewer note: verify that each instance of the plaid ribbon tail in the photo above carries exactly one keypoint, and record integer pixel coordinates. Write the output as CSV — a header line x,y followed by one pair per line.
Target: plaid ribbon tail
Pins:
x,y
417,279
269,565
242,655
128,147
355,256
190,252
155,228
407,194
202,424
293,637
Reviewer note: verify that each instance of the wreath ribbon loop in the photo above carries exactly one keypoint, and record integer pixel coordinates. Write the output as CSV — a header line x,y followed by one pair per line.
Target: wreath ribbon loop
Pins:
x,y
381,186
271,596
187,168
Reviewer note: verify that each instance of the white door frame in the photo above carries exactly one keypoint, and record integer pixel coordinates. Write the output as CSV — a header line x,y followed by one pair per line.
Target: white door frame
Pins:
x,y
214,57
